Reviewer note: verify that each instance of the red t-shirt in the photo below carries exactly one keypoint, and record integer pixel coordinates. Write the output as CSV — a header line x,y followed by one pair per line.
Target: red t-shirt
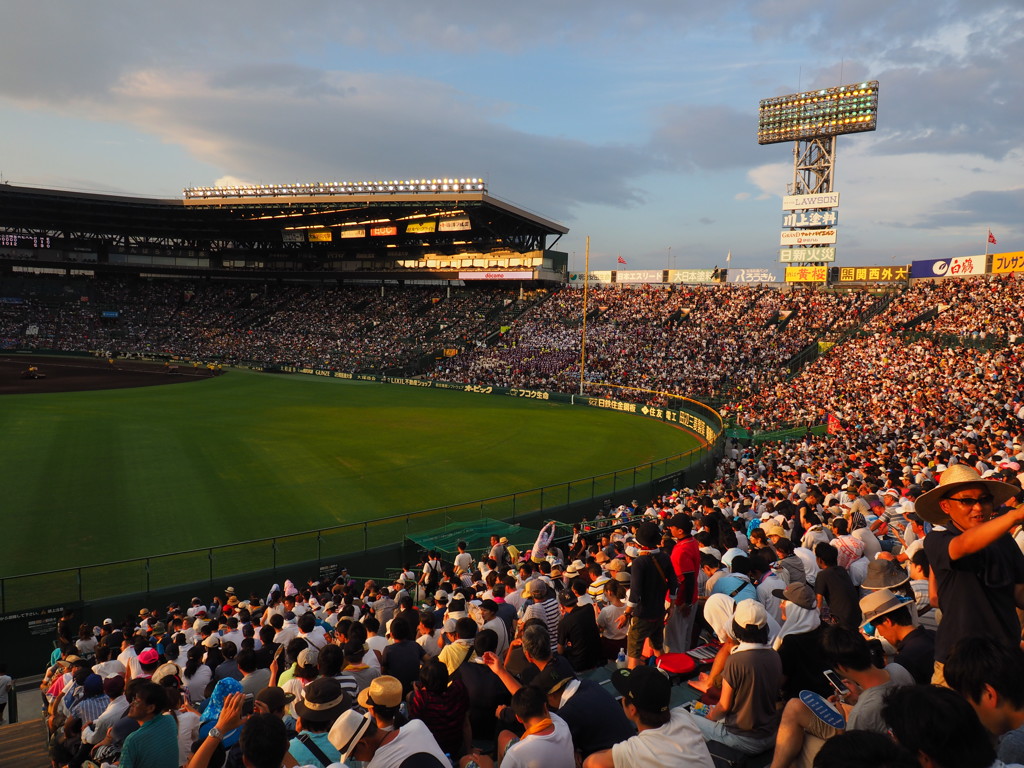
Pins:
x,y
686,559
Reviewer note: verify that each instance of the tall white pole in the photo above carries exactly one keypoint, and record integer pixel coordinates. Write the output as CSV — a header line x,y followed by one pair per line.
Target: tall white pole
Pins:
x,y
586,294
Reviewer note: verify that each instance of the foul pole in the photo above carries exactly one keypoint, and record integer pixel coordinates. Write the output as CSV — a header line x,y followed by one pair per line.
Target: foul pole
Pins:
x,y
586,293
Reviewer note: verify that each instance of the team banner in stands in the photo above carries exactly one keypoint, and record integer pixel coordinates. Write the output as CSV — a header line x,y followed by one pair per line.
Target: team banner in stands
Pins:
x,y
961,266
319,236
806,274
1008,262
576,278
453,225
640,276
421,227
871,274
752,276
691,276
347,234
496,275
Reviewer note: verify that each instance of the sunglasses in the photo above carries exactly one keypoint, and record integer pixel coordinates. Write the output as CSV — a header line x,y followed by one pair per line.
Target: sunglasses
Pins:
x,y
967,501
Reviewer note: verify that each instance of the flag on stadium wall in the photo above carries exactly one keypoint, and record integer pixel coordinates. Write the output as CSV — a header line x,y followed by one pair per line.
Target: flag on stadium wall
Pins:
x,y
991,237
834,427
621,260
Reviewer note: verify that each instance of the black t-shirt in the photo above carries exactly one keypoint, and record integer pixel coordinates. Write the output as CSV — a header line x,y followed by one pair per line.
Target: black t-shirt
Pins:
x,y
803,662
402,660
976,592
916,654
595,719
486,692
835,586
581,639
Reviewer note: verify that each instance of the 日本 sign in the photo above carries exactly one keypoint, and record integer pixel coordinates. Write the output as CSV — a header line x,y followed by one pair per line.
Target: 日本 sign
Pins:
x,y
829,218
802,202
806,255
807,237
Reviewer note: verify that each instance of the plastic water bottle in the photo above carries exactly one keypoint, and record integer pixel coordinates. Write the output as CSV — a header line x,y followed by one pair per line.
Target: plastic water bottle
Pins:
x,y
620,660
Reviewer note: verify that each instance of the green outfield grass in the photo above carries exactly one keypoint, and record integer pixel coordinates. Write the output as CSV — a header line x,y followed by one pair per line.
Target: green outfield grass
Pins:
x,y
92,477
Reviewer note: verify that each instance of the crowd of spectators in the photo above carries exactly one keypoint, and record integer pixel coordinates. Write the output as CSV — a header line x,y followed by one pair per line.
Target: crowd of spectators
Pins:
x,y
838,556
697,341
350,328
889,551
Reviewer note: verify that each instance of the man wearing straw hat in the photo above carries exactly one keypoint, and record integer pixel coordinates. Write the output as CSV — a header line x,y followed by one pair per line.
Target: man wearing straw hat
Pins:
x,y
977,567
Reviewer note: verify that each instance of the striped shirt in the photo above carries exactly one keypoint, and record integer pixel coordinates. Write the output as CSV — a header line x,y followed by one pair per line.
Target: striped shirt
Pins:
x,y
548,612
89,709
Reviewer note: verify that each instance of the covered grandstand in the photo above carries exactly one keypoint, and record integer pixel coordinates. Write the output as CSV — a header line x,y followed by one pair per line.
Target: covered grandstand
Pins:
x,y
356,232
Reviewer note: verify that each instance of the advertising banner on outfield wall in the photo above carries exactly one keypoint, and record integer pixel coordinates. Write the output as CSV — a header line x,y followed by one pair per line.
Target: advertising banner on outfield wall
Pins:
x,y
806,274
596,278
293,236
387,231
1008,262
871,274
961,266
319,235
752,276
800,202
691,276
639,276
705,428
347,234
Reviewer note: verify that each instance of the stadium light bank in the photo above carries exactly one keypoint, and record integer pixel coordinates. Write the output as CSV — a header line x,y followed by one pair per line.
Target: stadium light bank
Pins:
x,y
437,186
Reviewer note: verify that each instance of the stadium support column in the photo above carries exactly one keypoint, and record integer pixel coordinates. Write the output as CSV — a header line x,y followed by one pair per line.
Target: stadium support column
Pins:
x,y
813,165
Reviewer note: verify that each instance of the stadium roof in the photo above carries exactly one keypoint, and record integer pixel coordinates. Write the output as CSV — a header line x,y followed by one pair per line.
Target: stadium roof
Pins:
x,y
215,223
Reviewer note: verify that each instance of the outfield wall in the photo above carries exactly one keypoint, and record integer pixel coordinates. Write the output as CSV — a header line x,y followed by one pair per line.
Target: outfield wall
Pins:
x,y
30,605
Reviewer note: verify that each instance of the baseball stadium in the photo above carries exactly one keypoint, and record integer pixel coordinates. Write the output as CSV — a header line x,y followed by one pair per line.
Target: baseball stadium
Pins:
x,y
350,385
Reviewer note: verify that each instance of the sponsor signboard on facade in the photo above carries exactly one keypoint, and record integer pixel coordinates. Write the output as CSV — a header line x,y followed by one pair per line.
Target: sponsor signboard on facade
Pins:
x,y
806,274
691,276
806,255
801,202
958,267
752,276
807,237
828,218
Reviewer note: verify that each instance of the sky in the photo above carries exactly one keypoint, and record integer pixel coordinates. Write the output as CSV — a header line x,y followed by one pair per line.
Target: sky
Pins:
x,y
633,124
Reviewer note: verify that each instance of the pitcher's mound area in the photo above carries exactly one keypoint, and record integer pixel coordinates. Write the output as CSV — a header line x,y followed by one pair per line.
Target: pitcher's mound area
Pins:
x,y
79,374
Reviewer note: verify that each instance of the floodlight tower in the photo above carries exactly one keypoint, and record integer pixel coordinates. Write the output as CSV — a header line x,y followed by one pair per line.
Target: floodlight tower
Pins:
x,y
812,120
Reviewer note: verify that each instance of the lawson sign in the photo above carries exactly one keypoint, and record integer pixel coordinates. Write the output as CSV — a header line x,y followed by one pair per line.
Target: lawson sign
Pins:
x,y
961,266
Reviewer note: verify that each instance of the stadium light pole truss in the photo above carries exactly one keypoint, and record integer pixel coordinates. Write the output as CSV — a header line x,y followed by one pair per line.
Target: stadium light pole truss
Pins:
x,y
812,120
